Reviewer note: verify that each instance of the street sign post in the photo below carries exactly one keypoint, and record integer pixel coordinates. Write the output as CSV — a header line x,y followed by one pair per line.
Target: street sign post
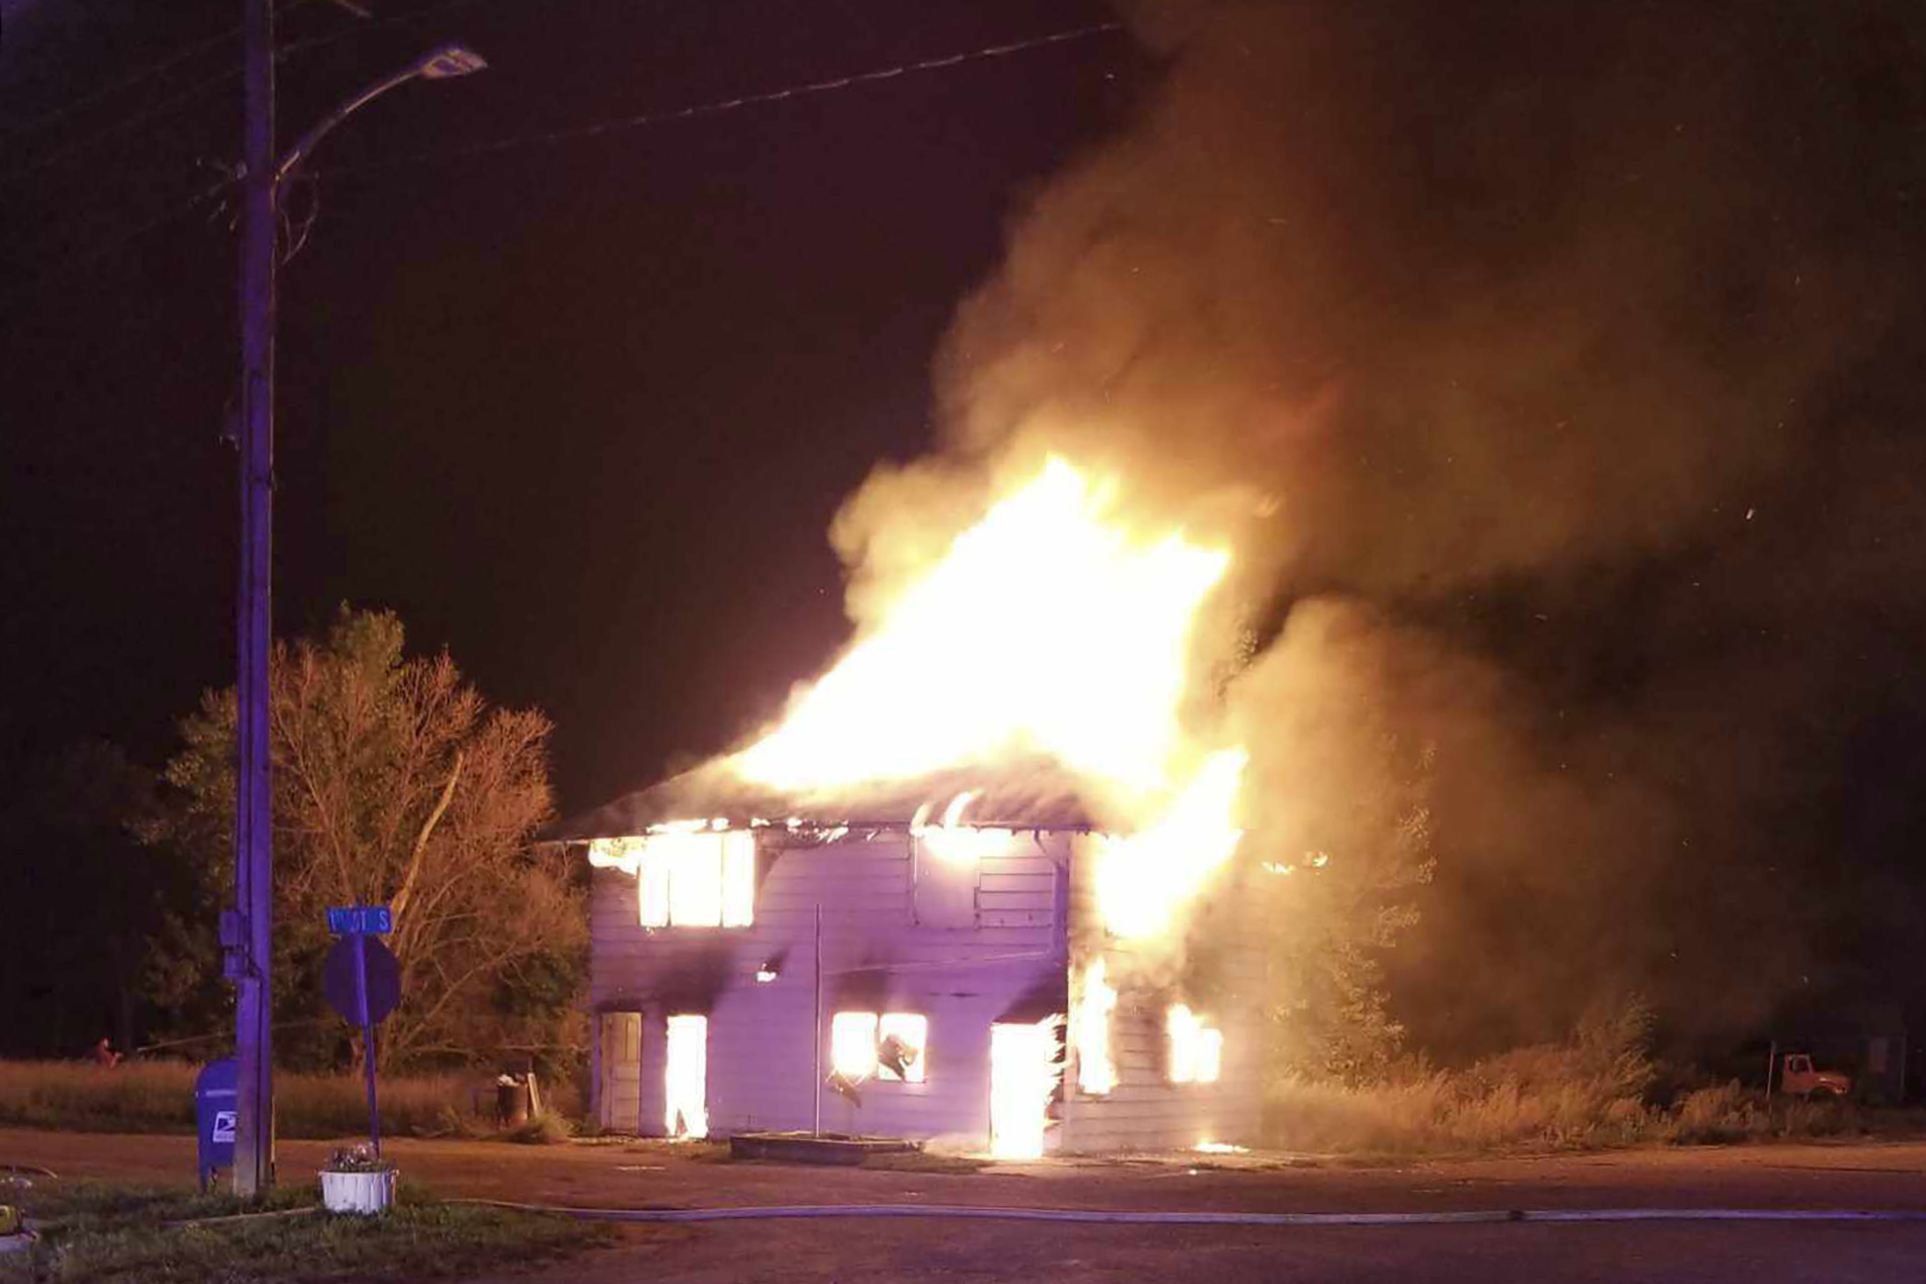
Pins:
x,y
362,980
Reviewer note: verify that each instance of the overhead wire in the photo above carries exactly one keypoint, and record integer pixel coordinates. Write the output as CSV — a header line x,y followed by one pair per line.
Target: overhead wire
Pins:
x,y
591,129
118,128
39,122
103,249
377,24
569,133
167,104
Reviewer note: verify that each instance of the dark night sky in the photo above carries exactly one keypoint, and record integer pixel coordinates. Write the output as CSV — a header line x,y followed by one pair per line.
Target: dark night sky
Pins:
x,y
581,411
1525,308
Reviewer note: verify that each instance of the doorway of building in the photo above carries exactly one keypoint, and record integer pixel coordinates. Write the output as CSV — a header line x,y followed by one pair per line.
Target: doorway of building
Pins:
x,y
619,1090
686,1082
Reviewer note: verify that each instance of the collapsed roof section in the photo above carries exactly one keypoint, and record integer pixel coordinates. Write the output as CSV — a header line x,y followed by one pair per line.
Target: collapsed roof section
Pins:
x,y
1034,794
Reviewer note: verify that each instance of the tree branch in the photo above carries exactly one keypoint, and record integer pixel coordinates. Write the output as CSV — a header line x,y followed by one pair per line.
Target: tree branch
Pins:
x,y
400,903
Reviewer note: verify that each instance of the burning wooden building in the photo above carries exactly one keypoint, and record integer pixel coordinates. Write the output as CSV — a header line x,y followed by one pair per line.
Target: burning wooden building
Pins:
x,y
981,882
889,974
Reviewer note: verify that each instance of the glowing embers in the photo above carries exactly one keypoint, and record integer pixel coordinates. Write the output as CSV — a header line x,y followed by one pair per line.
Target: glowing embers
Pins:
x,y
687,876
1025,1065
1051,626
686,1081
1196,1053
1220,1148
955,842
1143,880
890,1048
1090,1011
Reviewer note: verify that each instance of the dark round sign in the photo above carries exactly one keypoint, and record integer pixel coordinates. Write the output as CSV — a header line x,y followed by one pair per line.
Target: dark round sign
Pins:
x,y
384,978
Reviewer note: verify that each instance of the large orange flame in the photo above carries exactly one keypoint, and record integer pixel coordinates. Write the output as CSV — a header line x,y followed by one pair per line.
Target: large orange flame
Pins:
x,y
1053,627
1046,627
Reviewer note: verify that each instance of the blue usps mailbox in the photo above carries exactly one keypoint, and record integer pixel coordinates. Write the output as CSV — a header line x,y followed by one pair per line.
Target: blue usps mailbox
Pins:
x,y
214,1104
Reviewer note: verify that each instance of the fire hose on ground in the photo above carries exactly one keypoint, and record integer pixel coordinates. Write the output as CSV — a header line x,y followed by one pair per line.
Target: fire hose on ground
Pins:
x,y
1130,1217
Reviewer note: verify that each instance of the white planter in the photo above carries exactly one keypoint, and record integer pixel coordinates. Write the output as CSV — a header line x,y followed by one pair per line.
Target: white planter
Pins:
x,y
357,1192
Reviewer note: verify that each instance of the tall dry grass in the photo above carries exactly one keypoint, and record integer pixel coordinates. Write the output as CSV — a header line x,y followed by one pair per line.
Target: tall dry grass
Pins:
x,y
1588,1092
158,1096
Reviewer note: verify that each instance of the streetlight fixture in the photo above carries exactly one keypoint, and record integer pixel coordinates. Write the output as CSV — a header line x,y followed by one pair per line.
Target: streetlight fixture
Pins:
x,y
440,63
248,934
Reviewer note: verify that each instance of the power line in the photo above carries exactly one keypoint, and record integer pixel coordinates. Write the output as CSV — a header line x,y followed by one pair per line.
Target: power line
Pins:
x,y
119,127
148,73
376,24
568,133
167,104
591,129
103,249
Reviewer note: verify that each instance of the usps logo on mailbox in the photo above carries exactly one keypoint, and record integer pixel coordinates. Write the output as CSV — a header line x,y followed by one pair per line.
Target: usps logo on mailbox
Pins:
x,y
223,1127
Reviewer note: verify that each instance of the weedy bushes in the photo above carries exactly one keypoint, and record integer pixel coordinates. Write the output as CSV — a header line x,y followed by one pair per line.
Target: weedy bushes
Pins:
x,y
1590,1091
544,1129
158,1096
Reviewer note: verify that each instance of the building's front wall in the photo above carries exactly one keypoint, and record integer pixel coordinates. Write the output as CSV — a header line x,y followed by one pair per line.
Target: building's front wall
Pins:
x,y
1003,939
901,933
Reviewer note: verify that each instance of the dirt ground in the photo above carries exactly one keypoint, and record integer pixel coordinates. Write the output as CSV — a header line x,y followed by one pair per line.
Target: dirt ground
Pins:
x,y
1870,1176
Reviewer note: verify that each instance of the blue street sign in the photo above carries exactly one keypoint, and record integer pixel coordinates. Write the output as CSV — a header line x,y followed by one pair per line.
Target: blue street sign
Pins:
x,y
215,1093
360,920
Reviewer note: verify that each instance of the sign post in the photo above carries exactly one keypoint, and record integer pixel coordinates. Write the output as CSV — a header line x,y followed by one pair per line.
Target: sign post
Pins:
x,y
362,980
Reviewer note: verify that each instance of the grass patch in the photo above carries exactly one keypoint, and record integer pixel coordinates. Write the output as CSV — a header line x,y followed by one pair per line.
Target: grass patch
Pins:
x,y
158,1096
923,1161
94,1232
1591,1092
545,1129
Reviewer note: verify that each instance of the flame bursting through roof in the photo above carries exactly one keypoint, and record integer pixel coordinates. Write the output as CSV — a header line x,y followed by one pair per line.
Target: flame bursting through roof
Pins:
x,y
1051,628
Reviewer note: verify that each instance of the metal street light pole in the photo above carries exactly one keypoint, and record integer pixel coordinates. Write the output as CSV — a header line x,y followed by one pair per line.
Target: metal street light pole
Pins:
x,y
249,934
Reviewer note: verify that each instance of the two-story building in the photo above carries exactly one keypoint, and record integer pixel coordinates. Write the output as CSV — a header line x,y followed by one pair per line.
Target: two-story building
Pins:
x,y
764,964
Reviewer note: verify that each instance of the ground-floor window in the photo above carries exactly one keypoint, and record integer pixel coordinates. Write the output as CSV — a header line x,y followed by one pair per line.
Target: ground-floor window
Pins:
x,y
1196,1053
891,1047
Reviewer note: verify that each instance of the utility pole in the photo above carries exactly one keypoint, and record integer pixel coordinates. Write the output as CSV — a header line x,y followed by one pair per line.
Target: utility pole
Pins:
x,y
253,819
248,933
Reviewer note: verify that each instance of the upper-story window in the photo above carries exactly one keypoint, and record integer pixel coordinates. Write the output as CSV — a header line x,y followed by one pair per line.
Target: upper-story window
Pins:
x,y
700,879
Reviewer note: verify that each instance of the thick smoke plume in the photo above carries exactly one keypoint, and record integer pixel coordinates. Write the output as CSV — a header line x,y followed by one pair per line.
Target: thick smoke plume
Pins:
x,y
1552,369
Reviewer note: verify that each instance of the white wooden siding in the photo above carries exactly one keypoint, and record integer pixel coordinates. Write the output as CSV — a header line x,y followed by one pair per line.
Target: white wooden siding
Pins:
x,y
1145,1111
876,958
1034,908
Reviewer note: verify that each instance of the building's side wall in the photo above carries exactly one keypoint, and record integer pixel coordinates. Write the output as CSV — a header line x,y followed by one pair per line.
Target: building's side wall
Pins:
x,y
1221,976
877,957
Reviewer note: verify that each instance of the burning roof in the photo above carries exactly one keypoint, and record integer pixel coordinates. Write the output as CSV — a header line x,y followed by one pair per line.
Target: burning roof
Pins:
x,y
1035,666
1036,794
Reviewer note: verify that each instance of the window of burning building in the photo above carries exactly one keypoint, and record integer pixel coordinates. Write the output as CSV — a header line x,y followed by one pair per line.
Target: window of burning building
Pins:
x,y
687,879
945,888
1196,1050
890,1048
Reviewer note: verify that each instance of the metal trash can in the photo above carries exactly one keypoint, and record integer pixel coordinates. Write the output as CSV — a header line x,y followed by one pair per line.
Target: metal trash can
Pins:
x,y
511,1100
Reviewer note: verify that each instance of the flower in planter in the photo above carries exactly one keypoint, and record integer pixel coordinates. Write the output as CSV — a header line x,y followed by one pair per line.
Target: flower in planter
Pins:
x,y
357,1159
